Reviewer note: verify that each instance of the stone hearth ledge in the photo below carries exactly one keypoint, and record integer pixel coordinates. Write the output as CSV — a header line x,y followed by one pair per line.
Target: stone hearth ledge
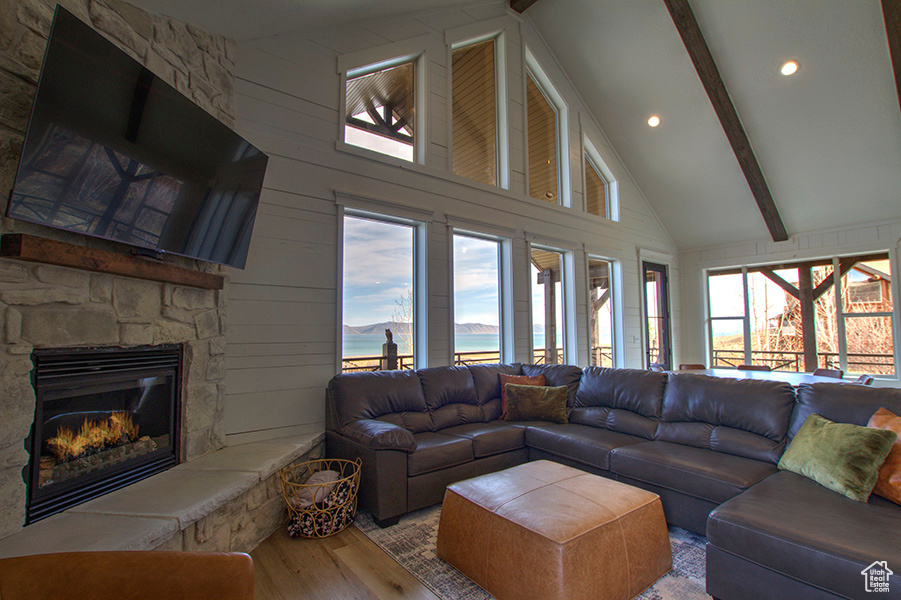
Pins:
x,y
151,512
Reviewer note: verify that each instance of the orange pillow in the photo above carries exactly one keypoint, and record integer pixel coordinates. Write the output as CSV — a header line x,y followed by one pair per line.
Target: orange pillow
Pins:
x,y
519,380
888,485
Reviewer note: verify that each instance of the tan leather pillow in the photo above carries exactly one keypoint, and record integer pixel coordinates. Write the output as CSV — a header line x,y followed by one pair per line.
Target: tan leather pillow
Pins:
x,y
519,380
888,484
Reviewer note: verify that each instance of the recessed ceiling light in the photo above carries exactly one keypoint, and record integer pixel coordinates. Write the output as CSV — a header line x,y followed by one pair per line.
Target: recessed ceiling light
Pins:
x,y
789,68
654,121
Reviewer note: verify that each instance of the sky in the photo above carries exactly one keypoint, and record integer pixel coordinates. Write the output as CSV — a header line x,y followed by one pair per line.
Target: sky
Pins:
x,y
476,277
378,269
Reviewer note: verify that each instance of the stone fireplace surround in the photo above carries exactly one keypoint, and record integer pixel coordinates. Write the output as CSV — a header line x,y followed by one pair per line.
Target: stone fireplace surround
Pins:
x,y
219,498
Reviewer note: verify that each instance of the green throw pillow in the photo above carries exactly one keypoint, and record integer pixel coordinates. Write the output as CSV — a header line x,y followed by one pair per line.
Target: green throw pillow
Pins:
x,y
840,456
536,403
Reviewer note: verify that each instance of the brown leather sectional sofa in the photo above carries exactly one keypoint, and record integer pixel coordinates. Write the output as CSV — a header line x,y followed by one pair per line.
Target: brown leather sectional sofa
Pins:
x,y
708,446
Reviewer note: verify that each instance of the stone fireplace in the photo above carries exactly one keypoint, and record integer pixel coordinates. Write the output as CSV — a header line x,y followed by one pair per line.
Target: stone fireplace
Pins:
x,y
48,307
56,308
104,418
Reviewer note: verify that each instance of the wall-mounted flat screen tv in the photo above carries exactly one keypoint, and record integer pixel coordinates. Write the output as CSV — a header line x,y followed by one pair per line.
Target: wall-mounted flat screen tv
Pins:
x,y
114,152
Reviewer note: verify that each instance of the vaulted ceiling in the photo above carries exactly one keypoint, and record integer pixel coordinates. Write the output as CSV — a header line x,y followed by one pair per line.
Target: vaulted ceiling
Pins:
x,y
828,139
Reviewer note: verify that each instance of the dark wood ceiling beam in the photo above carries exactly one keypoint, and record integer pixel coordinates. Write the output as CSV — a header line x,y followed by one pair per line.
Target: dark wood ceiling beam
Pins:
x,y
520,6
891,11
691,35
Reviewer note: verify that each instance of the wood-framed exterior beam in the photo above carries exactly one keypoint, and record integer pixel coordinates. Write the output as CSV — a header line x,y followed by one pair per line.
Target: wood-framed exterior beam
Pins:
x,y
844,265
825,262
808,318
691,35
520,6
891,12
789,288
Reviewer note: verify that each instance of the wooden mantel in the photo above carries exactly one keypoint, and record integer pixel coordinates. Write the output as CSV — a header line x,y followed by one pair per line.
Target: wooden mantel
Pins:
x,y
21,246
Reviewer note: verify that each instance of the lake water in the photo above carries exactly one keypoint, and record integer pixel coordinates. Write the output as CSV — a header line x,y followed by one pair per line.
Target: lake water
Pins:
x,y
371,345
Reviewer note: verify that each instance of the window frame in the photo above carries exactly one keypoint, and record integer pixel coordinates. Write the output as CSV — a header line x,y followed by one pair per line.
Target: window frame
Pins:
x,y
385,213
505,290
591,158
840,316
616,345
358,64
532,68
567,290
501,118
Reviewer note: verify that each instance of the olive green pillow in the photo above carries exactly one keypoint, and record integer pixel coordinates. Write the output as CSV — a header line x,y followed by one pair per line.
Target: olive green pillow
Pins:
x,y
840,456
536,403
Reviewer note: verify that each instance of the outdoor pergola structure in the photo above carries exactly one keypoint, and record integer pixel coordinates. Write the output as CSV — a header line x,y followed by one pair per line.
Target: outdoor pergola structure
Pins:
x,y
548,265
598,297
807,294
386,97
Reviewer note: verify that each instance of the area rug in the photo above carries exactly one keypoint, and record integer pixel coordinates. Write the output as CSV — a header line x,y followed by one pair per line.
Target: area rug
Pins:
x,y
412,544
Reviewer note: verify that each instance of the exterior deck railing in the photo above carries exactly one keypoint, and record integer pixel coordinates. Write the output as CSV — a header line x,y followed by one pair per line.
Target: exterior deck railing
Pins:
x,y
600,356
879,364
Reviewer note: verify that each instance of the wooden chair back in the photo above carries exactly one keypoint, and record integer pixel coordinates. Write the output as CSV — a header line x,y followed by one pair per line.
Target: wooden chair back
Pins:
x,y
692,367
754,368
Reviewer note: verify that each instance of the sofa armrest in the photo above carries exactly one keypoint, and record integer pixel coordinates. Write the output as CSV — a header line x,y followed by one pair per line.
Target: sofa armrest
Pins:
x,y
380,435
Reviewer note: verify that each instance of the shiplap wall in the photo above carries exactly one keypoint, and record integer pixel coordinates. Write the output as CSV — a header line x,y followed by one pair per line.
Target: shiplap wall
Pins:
x,y
283,329
848,241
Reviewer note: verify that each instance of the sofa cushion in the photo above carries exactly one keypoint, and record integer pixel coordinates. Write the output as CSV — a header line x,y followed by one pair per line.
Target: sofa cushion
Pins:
x,y
392,396
697,472
485,377
842,403
535,402
557,375
489,438
796,527
537,380
743,417
588,445
624,400
840,456
450,394
888,485
435,451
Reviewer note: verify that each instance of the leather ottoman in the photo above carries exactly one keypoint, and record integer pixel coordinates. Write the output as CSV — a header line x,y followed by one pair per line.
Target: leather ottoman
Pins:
x,y
544,530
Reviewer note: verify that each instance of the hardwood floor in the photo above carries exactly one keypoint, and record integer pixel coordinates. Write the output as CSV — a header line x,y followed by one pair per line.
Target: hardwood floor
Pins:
x,y
348,565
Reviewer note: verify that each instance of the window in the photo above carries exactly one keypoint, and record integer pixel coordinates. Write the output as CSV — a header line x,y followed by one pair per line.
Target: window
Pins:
x,y
380,111
793,319
547,306
477,307
474,112
727,319
867,317
542,143
379,294
600,312
595,190
600,185
658,349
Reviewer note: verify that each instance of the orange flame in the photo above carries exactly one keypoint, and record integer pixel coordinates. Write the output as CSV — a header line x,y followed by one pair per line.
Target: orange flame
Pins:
x,y
117,429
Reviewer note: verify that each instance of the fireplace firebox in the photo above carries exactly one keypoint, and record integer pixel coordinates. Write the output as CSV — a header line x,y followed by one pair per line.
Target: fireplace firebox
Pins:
x,y
104,418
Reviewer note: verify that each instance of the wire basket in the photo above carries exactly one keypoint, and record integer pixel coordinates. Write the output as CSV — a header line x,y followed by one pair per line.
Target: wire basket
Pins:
x,y
319,510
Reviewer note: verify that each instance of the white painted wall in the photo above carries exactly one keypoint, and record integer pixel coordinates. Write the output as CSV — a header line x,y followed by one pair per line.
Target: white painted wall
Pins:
x,y
848,241
283,329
